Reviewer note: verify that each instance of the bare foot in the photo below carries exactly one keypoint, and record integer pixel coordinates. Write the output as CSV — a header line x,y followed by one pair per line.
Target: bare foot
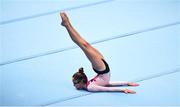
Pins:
x,y
132,84
64,18
127,91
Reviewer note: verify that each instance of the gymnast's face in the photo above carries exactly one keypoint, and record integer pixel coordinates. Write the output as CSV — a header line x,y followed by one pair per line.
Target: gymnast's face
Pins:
x,y
78,86
77,83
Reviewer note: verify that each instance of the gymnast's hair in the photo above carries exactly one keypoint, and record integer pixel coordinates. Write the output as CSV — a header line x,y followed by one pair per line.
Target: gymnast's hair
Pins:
x,y
79,77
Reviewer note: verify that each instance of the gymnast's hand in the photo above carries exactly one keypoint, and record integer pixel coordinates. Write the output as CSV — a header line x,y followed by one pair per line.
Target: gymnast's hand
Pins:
x,y
132,84
127,91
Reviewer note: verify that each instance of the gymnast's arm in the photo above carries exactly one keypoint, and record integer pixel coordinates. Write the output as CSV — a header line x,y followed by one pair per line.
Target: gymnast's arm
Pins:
x,y
122,83
97,88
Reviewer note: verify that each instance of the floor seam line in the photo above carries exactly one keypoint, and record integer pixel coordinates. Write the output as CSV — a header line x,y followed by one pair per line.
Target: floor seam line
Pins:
x,y
95,42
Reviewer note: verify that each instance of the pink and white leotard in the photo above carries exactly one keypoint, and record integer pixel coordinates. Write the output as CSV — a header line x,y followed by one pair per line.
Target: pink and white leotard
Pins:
x,y
102,79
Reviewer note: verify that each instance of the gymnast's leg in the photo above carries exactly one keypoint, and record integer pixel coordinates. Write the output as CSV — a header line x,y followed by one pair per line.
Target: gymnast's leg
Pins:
x,y
94,56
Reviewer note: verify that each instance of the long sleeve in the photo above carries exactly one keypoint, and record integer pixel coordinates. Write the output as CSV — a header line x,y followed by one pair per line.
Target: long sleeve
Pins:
x,y
103,88
117,83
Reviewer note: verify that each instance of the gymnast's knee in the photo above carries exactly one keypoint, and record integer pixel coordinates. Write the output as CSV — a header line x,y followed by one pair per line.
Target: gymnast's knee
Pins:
x,y
85,45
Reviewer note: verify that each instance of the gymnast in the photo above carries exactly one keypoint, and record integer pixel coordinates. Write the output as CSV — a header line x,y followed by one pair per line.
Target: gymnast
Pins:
x,y
101,82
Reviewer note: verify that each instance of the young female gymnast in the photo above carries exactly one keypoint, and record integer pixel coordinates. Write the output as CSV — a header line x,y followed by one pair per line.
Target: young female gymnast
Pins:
x,y
101,82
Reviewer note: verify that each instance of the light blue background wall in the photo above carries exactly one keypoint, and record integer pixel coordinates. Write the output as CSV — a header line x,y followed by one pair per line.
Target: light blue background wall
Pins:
x,y
39,81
